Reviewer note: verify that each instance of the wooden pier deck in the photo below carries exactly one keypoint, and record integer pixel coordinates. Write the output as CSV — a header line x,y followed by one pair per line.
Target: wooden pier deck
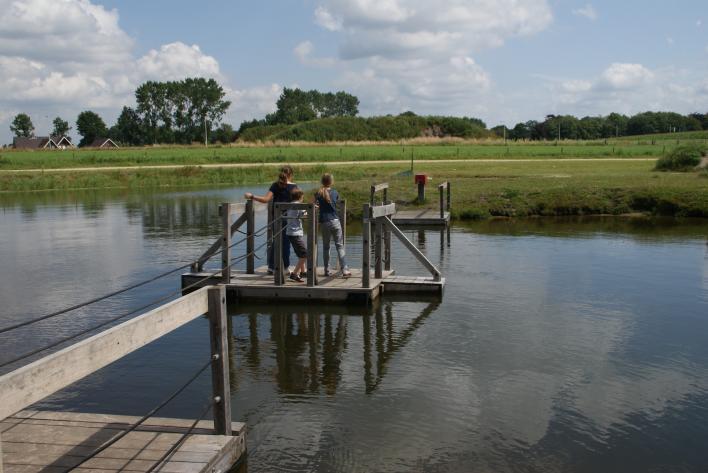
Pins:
x,y
260,285
48,442
420,217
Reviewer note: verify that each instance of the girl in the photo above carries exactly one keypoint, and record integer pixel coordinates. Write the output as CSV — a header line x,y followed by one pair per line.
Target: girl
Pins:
x,y
326,198
279,191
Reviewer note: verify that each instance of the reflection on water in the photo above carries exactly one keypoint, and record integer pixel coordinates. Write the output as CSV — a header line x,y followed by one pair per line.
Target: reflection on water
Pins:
x,y
560,345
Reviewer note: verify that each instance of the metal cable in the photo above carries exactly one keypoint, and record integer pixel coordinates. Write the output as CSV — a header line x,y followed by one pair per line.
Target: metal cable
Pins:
x,y
168,454
117,292
144,418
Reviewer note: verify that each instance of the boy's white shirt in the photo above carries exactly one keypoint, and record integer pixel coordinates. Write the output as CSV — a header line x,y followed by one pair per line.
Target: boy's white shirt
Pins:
x,y
294,222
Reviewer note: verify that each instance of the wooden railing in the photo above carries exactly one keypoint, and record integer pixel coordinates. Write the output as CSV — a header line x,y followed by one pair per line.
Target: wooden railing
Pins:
x,y
26,385
445,198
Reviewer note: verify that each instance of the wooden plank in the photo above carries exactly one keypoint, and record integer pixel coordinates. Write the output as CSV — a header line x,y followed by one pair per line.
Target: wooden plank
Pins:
x,y
379,187
1,455
311,245
250,237
218,334
413,249
383,210
280,223
442,201
226,242
449,197
378,249
37,380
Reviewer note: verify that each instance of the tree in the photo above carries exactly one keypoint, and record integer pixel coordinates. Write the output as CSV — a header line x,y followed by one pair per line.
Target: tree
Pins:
x,y
295,106
22,126
61,127
129,128
224,134
90,126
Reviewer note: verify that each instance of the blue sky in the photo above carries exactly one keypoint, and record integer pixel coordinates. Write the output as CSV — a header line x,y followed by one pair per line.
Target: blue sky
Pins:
x,y
501,60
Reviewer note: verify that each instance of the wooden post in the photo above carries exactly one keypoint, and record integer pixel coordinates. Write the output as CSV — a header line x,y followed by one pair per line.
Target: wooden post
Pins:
x,y
387,244
378,253
366,254
218,330
225,210
312,245
421,192
442,201
0,453
343,220
278,242
449,196
250,237
269,234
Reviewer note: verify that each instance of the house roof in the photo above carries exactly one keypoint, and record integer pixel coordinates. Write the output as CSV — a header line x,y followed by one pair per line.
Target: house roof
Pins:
x,y
102,143
35,142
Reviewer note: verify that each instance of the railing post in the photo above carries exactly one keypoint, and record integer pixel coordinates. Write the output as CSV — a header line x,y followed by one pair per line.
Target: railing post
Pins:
x,y
218,331
225,210
366,254
449,196
378,253
442,201
312,246
0,453
387,240
269,237
250,238
278,242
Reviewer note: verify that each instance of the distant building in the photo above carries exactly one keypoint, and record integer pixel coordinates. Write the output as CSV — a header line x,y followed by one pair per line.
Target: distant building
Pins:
x,y
103,143
42,142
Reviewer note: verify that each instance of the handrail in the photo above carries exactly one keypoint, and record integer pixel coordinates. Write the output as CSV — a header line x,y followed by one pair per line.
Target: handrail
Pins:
x,y
246,217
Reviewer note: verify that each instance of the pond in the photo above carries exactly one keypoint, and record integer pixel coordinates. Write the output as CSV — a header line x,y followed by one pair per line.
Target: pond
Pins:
x,y
559,345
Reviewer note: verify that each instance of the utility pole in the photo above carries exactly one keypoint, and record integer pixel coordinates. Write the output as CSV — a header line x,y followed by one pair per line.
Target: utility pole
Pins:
x,y
559,131
504,134
206,143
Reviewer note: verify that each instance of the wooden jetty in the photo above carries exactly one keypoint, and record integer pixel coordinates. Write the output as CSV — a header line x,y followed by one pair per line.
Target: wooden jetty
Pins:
x,y
365,284
57,441
428,217
45,441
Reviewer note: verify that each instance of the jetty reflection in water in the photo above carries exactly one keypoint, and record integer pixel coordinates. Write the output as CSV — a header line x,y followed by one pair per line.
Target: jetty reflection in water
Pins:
x,y
303,347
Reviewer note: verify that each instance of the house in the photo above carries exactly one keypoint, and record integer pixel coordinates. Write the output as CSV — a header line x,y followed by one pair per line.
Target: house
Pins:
x,y
103,143
42,142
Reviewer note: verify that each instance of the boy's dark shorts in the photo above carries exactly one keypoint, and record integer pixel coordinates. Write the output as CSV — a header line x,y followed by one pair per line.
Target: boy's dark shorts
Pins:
x,y
299,246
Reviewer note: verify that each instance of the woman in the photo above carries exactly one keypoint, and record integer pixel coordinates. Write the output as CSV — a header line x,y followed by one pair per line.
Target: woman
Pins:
x,y
279,191
326,198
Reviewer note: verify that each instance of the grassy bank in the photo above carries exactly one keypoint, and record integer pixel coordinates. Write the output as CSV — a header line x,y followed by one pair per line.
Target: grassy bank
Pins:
x,y
194,156
480,189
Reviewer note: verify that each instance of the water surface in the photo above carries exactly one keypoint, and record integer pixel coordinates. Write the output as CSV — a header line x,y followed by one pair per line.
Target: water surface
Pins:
x,y
560,344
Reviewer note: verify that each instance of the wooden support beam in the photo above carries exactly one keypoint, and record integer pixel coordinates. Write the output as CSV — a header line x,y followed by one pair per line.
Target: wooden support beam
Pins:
x,y
219,333
1,453
449,197
383,210
312,245
37,380
269,234
413,249
250,214
198,265
366,248
378,250
442,201
379,187
226,243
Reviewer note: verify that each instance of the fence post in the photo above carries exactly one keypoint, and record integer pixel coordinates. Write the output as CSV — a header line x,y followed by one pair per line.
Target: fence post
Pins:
x,y
269,237
312,246
366,255
278,242
219,334
250,238
225,210
442,201
378,250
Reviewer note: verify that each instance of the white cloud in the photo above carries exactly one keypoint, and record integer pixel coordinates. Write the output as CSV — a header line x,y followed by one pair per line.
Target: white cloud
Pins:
x,y
303,51
417,54
252,102
631,88
177,60
588,11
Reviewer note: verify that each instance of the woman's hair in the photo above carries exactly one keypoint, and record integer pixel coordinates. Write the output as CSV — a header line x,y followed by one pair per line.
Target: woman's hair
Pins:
x,y
287,169
296,194
283,180
323,192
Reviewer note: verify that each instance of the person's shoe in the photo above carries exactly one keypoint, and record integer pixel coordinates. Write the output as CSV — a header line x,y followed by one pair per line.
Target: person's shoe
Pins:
x,y
327,273
296,277
346,273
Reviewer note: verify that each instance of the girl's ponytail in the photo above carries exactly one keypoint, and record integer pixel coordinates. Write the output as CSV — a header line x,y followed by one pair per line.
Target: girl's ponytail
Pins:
x,y
282,180
323,192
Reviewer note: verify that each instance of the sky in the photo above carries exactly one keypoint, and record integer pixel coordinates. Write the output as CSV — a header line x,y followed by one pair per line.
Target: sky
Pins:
x,y
503,61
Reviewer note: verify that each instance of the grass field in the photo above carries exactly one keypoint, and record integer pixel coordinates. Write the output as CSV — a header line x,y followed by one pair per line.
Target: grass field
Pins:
x,y
480,189
192,156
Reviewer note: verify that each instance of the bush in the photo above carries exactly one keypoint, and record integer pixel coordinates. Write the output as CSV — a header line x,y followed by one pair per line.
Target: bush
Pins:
x,y
682,158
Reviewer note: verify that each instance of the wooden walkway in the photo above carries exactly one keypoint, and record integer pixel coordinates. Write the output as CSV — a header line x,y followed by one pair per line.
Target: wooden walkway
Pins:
x,y
44,441
260,285
420,217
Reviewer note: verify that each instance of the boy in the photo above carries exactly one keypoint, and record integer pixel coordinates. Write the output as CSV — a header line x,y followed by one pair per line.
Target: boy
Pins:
x,y
296,235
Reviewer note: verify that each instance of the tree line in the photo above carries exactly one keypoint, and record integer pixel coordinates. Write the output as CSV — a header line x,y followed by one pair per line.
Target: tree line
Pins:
x,y
192,110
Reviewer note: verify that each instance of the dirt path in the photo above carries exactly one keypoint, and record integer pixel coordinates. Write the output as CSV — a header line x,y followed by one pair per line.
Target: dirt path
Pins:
x,y
318,163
